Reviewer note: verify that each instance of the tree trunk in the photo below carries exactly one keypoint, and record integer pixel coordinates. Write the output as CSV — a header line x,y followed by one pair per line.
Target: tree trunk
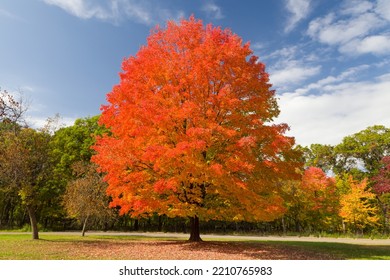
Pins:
x,y
33,222
284,226
84,226
386,220
384,209
160,223
136,225
195,231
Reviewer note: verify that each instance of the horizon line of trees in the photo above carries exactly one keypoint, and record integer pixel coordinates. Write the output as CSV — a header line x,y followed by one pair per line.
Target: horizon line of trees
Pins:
x,y
47,181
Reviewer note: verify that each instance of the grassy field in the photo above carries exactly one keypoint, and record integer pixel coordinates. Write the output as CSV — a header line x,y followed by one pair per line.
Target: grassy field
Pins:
x,y
72,247
342,250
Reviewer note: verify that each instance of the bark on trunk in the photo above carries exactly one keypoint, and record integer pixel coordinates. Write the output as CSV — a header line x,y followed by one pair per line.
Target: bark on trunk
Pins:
x,y
284,226
33,222
136,225
84,226
160,223
195,230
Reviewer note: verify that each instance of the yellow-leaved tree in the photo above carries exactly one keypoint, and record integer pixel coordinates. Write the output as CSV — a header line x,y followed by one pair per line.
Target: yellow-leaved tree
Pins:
x,y
358,206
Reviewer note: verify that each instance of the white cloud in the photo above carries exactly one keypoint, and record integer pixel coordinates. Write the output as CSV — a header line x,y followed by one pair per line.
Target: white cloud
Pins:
x,y
384,78
291,66
376,44
135,11
257,46
383,8
292,74
80,8
353,7
298,9
286,53
39,122
213,10
170,15
356,29
338,109
115,10
331,31
349,75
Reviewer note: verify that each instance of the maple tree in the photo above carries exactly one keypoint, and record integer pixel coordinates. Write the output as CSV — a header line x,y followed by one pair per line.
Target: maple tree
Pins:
x,y
357,205
312,201
381,186
320,197
319,186
382,179
191,133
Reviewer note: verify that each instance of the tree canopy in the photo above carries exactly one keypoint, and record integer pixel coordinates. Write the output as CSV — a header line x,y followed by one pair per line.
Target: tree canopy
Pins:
x,y
363,150
24,167
191,131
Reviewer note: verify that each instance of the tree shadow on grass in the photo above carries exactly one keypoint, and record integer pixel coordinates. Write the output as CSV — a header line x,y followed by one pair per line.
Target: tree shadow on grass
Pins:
x,y
278,250
157,249
217,250
257,250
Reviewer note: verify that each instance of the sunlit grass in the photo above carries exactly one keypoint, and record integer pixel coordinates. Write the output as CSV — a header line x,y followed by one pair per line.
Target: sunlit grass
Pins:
x,y
20,246
341,250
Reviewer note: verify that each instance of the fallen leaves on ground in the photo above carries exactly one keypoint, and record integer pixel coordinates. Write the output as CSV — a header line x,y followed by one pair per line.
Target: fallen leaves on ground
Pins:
x,y
182,250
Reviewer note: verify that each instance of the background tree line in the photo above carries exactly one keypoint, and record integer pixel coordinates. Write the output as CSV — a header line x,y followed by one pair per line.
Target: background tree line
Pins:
x,y
48,182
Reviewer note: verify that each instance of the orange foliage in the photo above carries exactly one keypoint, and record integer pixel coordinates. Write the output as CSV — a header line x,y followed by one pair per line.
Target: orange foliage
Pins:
x,y
319,190
189,133
357,206
313,201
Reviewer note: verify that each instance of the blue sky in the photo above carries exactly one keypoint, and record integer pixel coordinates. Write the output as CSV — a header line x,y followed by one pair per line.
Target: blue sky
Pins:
x,y
328,60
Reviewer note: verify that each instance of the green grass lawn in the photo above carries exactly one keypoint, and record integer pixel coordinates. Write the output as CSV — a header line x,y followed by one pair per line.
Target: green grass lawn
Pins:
x,y
342,250
56,247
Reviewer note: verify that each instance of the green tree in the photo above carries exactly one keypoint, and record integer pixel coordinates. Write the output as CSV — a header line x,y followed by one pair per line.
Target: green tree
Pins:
x,y
318,155
25,166
70,145
70,149
73,144
362,152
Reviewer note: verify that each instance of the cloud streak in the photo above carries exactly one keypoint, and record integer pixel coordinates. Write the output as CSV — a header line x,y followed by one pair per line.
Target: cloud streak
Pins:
x,y
212,10
81,8
291,67
292,74
9,15
298,9
116,11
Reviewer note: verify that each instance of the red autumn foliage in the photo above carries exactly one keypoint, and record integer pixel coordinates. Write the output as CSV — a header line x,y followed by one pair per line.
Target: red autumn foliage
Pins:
x,y
320,190
382,179
190,129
